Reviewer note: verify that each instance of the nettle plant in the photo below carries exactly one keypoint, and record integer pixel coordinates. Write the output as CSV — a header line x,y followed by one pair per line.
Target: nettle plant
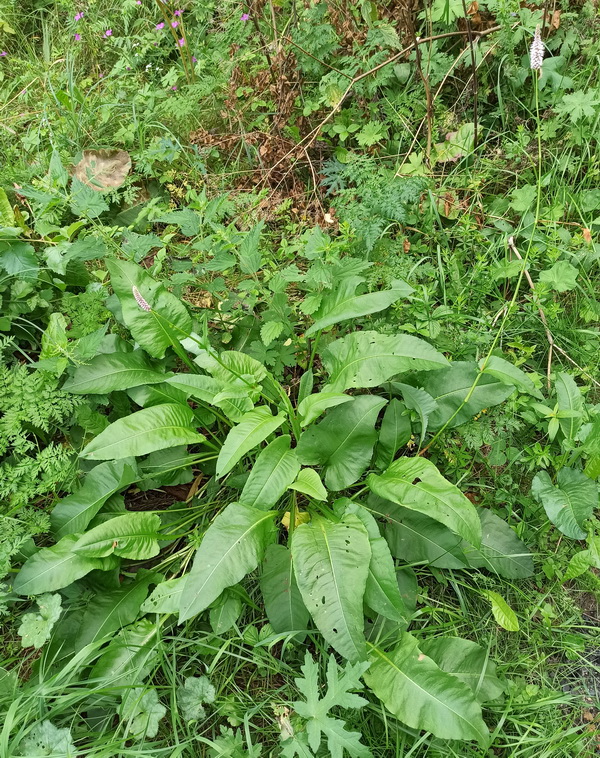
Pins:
x,y
320,504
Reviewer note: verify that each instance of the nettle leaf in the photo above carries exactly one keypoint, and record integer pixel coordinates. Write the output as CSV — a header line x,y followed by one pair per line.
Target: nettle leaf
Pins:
x,y
72,514
234,545
570,400
225,611
142,711
501,610
273,471
249,252
331,563
570,502
309,483
501,551
313,406
270,330
416,484
85,201
509,374
191,695
368,359
343,304
283,602
468,662
451,387
155,428
423,696
45,739
36,628
395,432
53,568
254,428
132,536
343,441
315,709
168,319
18,259
110,372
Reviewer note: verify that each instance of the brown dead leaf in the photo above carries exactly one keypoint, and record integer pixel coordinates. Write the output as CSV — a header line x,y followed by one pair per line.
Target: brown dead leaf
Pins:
x,y
103,169
406,245
587,236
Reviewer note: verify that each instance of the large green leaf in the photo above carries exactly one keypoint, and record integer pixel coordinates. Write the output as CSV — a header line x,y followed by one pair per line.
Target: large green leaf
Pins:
x,y
415,483
283,602
450,388
501,611
309,483
53,568
225,611
343,441
133,536
570,502
382,593
113,609
394,433
314,405
109,372
368,359
417,400
254,428
199,386
168,319
275,468
501,551
509,374
420,694
129,656
343,303
72,514
331,563
143,432
165,597
569,399
234,545
468,662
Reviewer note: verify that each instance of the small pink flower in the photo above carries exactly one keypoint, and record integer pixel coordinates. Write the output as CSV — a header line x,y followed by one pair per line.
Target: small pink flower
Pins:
x,y
245,16
178,13
3,54
77,37
194,59
107,33
144,305
78,16
181,42
138,2
160,26
174,24
174,88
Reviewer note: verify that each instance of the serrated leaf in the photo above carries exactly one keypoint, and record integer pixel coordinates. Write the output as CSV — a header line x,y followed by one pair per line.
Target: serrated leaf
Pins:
x,y
368,359
416,484
273,471
395,432
501,610
111,372
270,330
509,374
421,695
132,536
233,545
570,502
309,483
312,406
249,253
18,259
331,564
283,603
155,428
254,427
142,711
562,277
195,691
45,739
85,201
36,628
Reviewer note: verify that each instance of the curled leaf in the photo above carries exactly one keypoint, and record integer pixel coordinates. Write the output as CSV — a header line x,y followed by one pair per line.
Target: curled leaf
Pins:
x,y
103,169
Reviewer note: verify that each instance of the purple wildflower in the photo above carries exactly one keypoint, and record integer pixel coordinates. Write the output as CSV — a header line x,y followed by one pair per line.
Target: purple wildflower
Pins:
x,y
174,88
181,42
79,16
107,33
245,16
174,24
178,13
3,54
160,26
144,305
77,37
138,2
194,59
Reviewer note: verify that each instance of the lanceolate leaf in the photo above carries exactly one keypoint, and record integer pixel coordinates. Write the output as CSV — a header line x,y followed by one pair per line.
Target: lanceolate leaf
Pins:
x,y
344,304
415,483
368,359
394,433
253,428
570,502
143,432
129,656
109,372
283,602
166,597
314,405
501,610
509,374
133,536
423,696
501,551
343,441
233,545
168,319
331,563
570,400
225,611
73,513
274,469
420,401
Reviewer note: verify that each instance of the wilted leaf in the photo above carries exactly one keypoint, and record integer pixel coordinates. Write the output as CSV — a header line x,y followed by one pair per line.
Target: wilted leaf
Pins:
x,y
103,169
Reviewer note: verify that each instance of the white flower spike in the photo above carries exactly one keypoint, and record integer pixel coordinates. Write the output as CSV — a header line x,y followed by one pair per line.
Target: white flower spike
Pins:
x,y
144,305
536,52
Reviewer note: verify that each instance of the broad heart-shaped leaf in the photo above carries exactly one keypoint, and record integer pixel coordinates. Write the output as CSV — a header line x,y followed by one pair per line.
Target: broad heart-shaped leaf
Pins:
x,y
501,551
273,471
133,536
368,359
570,502
331,563
509,374
113,609
343,304
416,483
129,656
417,400
450,387
109,372
394,433
143,432
343,441
72,514
570,400
36,628
283,602
314,405
254,427
168,319
468,662
501,610
382,593
53,568
421,695
234,545
309,483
